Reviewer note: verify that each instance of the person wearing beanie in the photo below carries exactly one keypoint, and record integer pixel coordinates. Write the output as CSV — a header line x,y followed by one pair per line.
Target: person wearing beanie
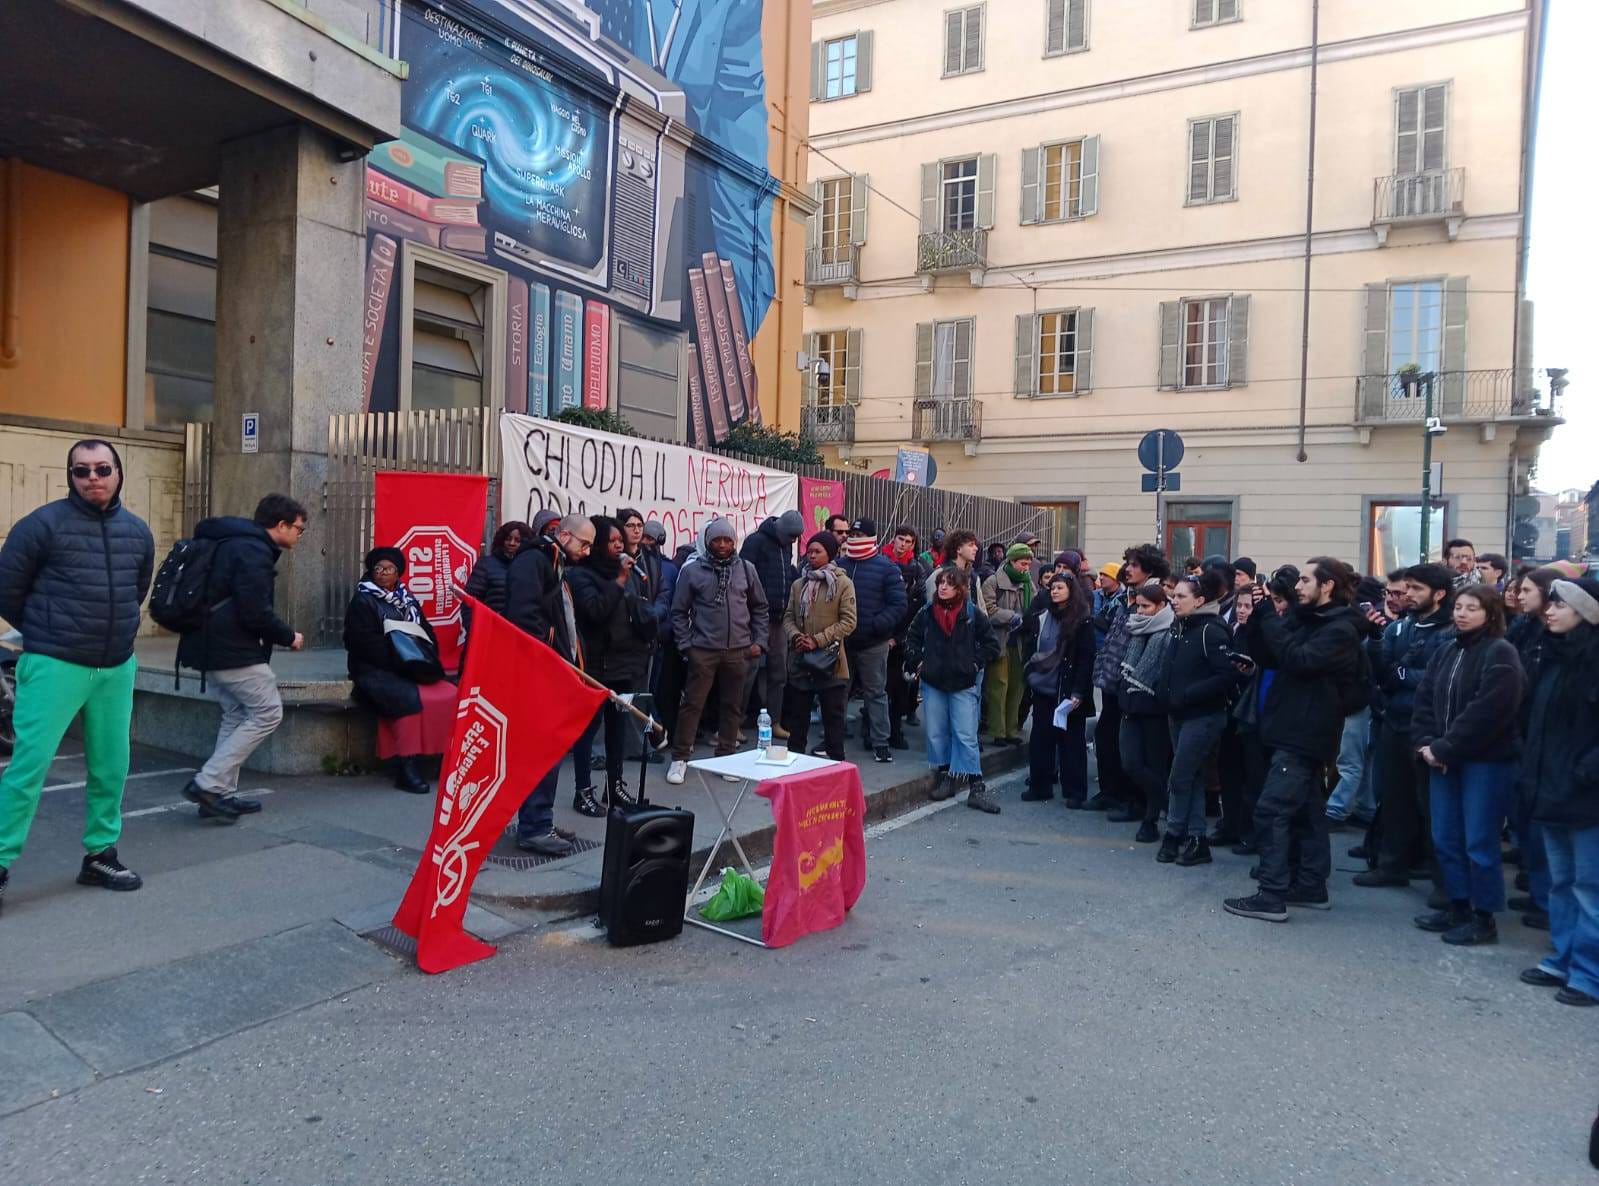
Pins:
x,y
902,689
770,548
1008,594
721,621
1559,784
1401,836
880,601
820,615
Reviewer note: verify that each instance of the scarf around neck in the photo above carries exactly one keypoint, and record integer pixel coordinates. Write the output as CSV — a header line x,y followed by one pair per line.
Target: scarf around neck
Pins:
x,y
897,556
1023,585
947,613
1145,660
822,580
860,547
400,598
724,574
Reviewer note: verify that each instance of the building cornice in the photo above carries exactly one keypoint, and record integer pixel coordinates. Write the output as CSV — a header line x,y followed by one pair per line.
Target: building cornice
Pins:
x,y
1429,37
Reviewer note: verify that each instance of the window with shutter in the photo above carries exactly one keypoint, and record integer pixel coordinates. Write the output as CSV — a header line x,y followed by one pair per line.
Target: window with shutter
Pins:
x,y
1061,181
952,359
1065,26
833,219
1420,127
1205,326
1415,325
1212,159
1215,12
833,380
1057,353
963,40
957,199
839,71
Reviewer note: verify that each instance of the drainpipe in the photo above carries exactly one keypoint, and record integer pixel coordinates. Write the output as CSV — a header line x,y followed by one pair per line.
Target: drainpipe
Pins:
x,y
1532,88
1310,218
10,260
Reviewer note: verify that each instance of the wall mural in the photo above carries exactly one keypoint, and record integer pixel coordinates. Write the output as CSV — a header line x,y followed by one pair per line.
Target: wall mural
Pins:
x,y
610,158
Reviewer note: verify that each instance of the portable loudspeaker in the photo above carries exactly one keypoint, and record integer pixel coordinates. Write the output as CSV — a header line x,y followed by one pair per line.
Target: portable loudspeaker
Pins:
x,y
645,876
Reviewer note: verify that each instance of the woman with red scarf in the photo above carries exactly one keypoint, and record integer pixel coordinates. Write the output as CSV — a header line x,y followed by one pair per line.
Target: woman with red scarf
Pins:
x,y
950,643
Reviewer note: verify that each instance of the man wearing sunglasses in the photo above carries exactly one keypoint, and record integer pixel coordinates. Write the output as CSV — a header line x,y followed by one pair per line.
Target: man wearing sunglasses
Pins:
x,y
73,576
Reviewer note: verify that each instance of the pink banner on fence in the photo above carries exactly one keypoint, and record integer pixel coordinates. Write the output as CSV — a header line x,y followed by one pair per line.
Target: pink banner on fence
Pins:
x,y
820,499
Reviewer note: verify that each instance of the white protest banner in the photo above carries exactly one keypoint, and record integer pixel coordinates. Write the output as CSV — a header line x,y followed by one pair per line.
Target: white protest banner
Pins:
x,y
568,469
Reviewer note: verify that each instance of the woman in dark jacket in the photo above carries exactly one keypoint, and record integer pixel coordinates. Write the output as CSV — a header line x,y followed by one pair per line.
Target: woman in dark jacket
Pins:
x,y
1464,726
1199,684
1560,779
1145,739
1061,668
617,633
1527,633
949,644
414,718
487,582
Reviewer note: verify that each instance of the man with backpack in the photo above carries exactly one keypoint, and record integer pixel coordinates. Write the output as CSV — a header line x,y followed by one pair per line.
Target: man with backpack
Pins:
x,y
223,603
73,574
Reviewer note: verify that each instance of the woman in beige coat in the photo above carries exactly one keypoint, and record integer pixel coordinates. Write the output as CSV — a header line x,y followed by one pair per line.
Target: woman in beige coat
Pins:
x,y
820,616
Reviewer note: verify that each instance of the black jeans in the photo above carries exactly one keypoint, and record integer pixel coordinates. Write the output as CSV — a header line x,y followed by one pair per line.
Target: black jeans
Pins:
x,y
1193,740
615,727
1146,757
797,717
1113,780
1291,827
1234,772
1403,825
900,691
1064,750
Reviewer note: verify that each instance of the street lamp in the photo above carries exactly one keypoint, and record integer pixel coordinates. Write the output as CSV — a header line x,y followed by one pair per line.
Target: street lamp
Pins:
x,y
1431,426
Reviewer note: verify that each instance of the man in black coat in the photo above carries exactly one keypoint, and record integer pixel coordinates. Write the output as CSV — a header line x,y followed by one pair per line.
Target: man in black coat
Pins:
x,y
1314,652
233,647
770,548
538,602
73,576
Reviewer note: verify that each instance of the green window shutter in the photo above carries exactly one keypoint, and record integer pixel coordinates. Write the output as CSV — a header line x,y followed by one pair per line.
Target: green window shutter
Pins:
x,y
924,359
1090,186
1434,113
1453,388
1076,24
1237,341
818,70
1374,363
972,58
812,349
1171,353
954,26
859,189
1085,351
987,167
852,366
1054,27
813,224
863,61
1223,152
1026,376
930,219
1199,160
1032,159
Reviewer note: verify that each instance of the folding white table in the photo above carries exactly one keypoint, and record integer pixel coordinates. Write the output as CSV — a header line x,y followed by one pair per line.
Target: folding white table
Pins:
x,y
747,769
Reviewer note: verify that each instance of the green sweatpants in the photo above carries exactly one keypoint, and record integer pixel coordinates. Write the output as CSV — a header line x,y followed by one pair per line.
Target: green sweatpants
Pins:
x,y
50,693
1002,692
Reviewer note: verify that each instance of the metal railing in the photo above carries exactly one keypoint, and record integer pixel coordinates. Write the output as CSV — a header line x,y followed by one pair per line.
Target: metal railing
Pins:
x,y
196,474
1419,197
947,420
1469,396
828,424
833,265
952,251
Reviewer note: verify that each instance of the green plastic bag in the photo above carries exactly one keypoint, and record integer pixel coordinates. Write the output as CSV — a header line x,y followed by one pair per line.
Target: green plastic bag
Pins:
x,y
738,897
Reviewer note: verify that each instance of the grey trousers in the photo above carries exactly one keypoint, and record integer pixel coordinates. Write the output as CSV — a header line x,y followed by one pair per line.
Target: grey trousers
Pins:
x,y
251,710
771,673
870,665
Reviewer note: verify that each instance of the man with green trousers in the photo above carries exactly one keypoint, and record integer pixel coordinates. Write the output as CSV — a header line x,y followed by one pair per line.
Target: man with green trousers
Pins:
x,y
73,576
1006,596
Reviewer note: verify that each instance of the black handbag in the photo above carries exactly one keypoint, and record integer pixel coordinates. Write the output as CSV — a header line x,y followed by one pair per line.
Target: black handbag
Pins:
x,y
415,656
818,664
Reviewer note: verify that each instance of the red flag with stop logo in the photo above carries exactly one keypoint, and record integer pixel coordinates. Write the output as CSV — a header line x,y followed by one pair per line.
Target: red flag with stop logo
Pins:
x,y
436,520
521,708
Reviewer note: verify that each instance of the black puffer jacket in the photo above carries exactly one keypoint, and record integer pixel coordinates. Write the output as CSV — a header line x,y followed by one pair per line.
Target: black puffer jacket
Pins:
x,y
1468,706
1200,678
1559,778
73,579
879,598
487,582
613,651
242,630
950,662
1314,654
764,548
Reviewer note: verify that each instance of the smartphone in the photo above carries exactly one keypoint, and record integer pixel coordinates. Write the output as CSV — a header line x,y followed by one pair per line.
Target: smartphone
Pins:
x,y
1366,607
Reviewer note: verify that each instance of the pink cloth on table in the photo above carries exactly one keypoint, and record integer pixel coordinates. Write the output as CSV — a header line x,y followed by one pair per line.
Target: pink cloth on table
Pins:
x,y
819,853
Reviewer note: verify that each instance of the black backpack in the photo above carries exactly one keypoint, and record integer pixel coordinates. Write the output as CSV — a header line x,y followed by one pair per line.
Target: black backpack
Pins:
x,y
178,599
1354,692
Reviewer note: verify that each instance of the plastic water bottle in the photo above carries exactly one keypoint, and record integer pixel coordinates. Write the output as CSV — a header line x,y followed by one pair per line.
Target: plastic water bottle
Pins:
x,y
763,732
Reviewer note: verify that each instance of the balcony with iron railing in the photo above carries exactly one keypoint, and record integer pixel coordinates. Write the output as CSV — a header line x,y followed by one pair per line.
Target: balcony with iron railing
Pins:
x,y
828,424
947,420
1468,397
952,251
1407,199
833,265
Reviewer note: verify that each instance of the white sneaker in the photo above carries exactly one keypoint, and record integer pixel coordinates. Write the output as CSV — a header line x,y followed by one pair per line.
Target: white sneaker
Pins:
x,y
676,773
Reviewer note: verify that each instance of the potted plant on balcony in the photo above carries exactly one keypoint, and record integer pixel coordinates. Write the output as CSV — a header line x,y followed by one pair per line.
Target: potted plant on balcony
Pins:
x,y
1410,378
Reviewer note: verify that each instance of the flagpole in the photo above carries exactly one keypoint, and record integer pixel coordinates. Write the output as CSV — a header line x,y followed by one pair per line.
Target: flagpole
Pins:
x,y
650,723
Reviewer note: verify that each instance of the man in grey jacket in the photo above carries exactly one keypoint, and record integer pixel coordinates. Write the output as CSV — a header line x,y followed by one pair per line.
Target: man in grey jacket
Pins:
x,y
73,576
719,617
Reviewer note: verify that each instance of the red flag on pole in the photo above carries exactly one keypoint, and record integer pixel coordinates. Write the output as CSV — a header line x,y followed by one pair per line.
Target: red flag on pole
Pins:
x,y
510,680
437,521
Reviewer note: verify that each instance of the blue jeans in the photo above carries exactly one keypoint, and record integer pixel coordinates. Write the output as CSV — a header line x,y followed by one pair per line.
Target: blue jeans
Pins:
x,y
1355,794
950,720
1573,905
536,816
1534,857
1468,813
1193,740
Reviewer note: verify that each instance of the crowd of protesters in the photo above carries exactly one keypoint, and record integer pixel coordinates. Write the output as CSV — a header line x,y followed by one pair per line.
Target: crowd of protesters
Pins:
x,y
1444,709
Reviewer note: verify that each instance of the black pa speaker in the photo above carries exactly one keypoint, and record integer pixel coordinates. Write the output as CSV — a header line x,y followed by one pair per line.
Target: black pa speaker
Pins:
x,y
645,877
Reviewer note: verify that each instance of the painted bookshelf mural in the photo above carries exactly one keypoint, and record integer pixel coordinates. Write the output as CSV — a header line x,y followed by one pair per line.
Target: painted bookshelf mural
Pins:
x,y
610,158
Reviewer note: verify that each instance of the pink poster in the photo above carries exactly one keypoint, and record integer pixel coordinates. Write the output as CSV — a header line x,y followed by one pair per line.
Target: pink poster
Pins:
x,y
820,499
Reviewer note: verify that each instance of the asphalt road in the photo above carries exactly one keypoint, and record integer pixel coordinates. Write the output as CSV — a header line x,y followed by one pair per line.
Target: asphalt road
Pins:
x,y
1027,998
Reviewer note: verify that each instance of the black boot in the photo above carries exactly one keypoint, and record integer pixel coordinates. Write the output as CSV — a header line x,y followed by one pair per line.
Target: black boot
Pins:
x,y
1169,846
618,794
980,797
1195,852
212,805
1442,921
1479,928
584,803
408,778
945,785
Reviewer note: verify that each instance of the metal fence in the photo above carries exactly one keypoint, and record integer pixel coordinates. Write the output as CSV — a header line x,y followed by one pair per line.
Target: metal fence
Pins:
x,y
1483,395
